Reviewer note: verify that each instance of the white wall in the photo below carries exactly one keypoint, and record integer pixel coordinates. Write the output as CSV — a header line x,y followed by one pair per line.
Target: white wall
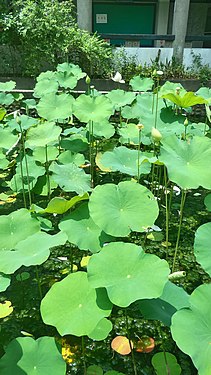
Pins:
x,y
146,55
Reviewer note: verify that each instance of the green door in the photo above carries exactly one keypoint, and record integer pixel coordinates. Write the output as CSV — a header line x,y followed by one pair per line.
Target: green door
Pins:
x,y
124,18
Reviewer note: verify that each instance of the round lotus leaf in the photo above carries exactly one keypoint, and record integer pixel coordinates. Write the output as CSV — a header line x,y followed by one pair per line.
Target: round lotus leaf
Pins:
x,y
97,109
127,273
46,133
34,250
207,202
202,246
16,227
67,157
191,329
59,205
6,99
102,129
24,355
39,153
7,86
129,134
4,282
45,86
74,307
141,84
102,330
71,69
120,98
71,178
120,209
188,163
49,74
94,370
25,121
165,364
79,221
54,107
124,160
7,139
75,143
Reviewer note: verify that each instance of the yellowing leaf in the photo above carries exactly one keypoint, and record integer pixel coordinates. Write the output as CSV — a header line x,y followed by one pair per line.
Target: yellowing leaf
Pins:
x,y
5,309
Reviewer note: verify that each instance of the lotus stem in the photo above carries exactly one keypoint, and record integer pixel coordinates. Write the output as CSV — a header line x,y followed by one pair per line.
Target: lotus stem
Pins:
x,y
26,163
38,282
131,348
139,151
47,172
167,212
184,192
83,354
21,168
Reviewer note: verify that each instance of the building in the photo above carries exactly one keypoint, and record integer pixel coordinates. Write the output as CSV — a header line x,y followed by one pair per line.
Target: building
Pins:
x,y
150,24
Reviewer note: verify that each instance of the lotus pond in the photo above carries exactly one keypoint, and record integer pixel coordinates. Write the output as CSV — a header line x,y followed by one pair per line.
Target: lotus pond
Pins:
x,y
105,229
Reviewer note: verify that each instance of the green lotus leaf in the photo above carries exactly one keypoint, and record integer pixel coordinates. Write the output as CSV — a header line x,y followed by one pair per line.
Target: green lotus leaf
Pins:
x,y
103,129
141,84
43,134
73,69
165,364
172,299
123,160
120,98
207,202
191,328
129,134
131,112
39,153
148,100
67,157
205,93
43,185
127,273
113,372
7,139
59,205
55,106
75,143
45,86
25,121
94,370
4,282
188,163
6,99
131,206
7,86
3,161
71,178
187,100
79,221
34,250
171,88
102,330
49,74
20,179
202,246
24,355
73,307
30,103
16,227
97,109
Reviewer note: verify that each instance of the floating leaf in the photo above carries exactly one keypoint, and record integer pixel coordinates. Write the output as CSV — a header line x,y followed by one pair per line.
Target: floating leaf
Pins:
x,y
202,246
5,309
145,344
188,163
165,364
71,178
192,327
141,84
127,273
121,345
54,107
59,205
73,307
79,221
97,109
131,206
24,355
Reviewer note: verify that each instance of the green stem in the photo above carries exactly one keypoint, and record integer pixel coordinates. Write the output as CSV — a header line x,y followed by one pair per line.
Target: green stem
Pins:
x,y
156,107
83,354
26,163
38,282
179,229
139,151
131,348
47,172
91,152
167,212
21,169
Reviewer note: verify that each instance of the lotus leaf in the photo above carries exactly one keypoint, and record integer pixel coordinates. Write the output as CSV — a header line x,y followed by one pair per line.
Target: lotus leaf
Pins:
x,y
205,93
129,133
39,153
42,186
59,205
192,327
53,106
73,69
171,88
127,273
30,103
5,309
6,99
97,109
188,163
71,178
46,133
78,222
2,113
131,206
207,202
165,364
102,330
16,227
4,282
25,121
45,86
75,143
120,98
103,129
123,160
94,370
24,355
33,250
73,307
7,139
141,84
46,75
131,112
202,246
67,157
7,86
187,100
